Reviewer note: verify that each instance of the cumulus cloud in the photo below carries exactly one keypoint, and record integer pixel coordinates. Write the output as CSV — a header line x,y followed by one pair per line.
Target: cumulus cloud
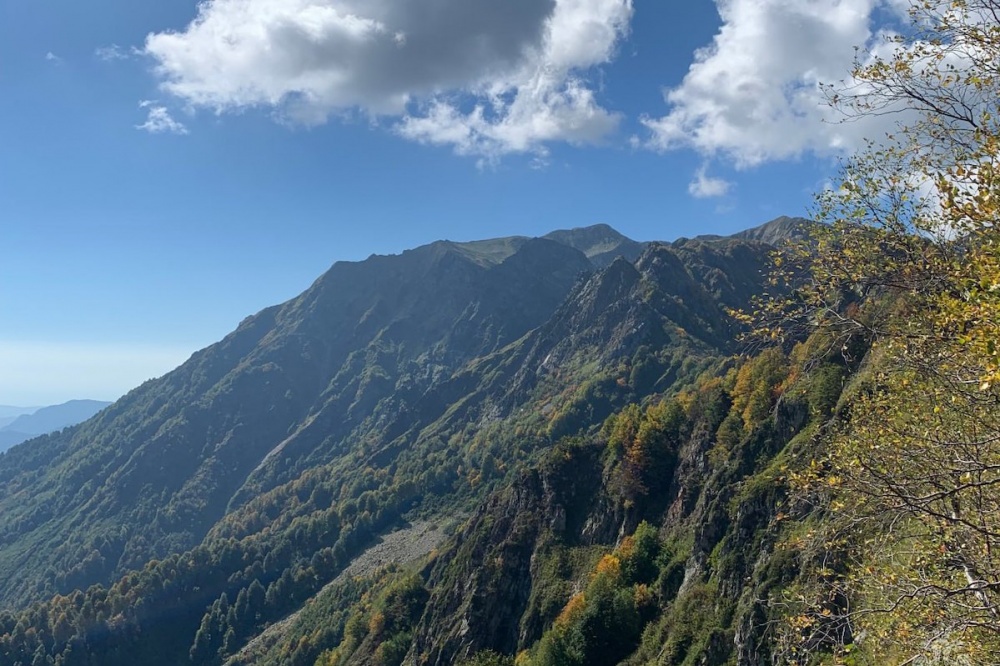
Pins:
x,y
159,120
52,57
545,99
482,76
705,187
754,94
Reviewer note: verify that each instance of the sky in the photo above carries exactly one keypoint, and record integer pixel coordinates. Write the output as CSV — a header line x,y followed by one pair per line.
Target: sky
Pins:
x,y
169,168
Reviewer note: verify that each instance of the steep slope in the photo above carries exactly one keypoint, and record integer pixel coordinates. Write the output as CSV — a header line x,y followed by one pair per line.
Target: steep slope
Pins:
x,y
396,386
665,538
777,230
151,474
713,493
774,232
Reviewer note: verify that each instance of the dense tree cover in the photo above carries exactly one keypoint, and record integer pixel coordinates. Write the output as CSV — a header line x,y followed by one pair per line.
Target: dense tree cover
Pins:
x,y
602,623
755,422
199,606
644,445
381,624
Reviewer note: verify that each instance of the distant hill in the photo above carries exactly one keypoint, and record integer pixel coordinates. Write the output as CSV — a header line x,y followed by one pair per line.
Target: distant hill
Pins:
x,y
46,419
9,413
12,438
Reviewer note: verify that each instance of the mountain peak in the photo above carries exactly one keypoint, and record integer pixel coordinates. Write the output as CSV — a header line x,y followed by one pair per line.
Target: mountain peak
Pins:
x,y
587,238
777,231
600,242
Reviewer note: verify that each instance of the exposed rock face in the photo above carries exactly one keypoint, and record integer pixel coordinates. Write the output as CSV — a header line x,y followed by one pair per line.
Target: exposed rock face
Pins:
x,y
722,519
485,583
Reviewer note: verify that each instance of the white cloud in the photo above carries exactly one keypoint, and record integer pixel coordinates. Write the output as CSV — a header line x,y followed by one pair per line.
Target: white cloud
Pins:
x,y
112,52
159,120
705,187
548,111
52,57
485,77
45,373
546,99
753,95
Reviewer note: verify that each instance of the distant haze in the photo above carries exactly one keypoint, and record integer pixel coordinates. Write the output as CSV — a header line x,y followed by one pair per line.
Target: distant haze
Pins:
x,y
9,413
32,422
48,373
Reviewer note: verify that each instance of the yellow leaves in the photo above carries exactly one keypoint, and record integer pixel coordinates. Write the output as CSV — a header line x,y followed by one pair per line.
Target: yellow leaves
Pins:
x,y
912,235
610,565
376,624
626,549
758,384
573,608
802,621
643,596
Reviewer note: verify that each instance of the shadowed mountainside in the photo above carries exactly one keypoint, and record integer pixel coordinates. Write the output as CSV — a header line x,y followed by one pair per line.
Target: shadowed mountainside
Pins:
x,y
401,386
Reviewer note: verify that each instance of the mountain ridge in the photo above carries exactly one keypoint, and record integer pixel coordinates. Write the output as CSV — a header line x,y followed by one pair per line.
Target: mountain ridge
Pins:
x,y
352,354
401,387
600,243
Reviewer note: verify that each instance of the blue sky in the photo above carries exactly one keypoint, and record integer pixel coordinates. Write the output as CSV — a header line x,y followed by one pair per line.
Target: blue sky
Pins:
x,y
162,177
